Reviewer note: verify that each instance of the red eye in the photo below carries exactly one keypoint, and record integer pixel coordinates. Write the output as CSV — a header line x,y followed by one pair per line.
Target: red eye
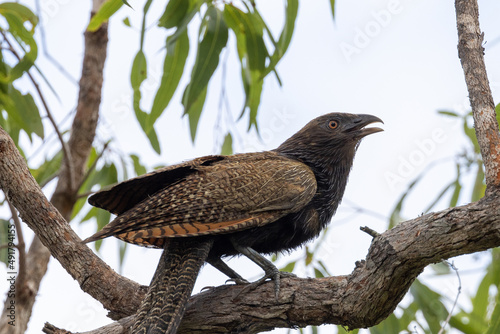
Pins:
x,y
333,124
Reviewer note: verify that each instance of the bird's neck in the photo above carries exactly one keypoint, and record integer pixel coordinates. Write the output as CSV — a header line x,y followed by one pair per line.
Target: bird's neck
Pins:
x,y
332,172
331,178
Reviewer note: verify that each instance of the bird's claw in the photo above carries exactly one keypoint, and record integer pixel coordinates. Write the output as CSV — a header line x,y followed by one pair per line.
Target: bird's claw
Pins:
x,y
274,275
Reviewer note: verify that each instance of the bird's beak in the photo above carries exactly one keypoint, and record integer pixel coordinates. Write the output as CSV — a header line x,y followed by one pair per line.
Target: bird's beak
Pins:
x,y
358,126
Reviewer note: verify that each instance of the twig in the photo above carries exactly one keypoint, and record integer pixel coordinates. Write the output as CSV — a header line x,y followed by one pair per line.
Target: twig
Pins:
x,y
45,48
20,246
66,151
452,266
369,231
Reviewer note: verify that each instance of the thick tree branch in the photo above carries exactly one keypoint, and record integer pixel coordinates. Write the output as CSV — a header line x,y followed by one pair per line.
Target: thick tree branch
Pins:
x,y
52,230
362,299
470,51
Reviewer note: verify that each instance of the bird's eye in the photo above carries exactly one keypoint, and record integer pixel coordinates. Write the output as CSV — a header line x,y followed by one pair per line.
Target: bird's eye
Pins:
x,y
333,124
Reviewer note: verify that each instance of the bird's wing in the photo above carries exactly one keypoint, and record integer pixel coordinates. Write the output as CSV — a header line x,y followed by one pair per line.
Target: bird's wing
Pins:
x,y
226,196
125,195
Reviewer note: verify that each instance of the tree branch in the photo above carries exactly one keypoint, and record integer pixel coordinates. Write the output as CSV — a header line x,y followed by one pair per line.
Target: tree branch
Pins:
x,y
116,292
471,53
361,299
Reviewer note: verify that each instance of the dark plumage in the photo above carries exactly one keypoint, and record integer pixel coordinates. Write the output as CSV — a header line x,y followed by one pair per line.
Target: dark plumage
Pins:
x,y
226,205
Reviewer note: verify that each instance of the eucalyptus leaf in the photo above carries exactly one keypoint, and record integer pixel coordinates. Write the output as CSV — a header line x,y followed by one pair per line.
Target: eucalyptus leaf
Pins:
x,y
173,67
213,35
104,13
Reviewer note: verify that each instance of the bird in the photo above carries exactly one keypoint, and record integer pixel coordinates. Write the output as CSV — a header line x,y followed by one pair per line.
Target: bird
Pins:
x,y
252,204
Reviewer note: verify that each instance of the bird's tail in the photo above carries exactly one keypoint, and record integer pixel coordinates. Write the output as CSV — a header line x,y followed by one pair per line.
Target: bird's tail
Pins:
x,y
163,307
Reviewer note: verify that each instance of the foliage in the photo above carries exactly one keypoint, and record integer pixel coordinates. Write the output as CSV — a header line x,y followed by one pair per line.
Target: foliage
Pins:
x,y
18,111
258,51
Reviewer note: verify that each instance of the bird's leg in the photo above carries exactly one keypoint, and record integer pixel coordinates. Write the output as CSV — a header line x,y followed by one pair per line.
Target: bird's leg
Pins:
x,y
269,268
226,270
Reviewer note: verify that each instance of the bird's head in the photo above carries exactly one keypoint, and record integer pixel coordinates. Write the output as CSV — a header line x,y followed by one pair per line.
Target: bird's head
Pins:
x,y
333,137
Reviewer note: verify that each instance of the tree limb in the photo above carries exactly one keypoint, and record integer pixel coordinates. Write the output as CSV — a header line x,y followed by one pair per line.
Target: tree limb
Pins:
x,y
52,230
361,299
471,53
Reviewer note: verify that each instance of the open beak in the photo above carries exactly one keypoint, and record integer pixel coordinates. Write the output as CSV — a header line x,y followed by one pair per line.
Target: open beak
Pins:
x,y
363,120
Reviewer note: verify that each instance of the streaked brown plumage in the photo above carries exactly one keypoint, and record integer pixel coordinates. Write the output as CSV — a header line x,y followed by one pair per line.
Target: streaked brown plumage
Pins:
x,y
226,205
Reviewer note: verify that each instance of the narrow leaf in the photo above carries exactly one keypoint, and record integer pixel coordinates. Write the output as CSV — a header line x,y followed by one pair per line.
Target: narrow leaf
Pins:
x,y
138,167
289,267
213,35
448,113
104,13
175,12
332,8
227,146
173,67
479,186
194,112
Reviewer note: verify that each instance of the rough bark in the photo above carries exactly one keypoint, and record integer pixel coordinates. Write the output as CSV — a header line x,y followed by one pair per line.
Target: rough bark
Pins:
x,y
80,143
362,299
471,53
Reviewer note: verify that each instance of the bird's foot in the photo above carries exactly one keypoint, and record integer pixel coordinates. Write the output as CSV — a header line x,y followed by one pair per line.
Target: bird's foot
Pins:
x,y
274,275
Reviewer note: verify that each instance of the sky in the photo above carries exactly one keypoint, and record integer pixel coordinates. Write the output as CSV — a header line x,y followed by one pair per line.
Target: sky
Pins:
x,y
394,59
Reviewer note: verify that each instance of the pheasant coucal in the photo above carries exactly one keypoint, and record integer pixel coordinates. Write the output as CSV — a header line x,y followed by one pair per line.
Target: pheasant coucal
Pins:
x,y
216,206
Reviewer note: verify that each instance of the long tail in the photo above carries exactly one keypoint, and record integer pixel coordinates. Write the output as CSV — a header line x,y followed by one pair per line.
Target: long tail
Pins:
x,y
163,307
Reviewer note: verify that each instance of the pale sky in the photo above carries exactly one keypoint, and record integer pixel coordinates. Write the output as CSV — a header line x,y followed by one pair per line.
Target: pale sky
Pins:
x,y
394,59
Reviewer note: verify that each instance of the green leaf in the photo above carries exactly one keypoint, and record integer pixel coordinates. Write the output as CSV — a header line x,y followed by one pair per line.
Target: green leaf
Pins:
x,y
138,167
23,111
457,189
28,111
126,21
227,146
107,9
323,268
289,267
4,234
495,318
194,112
448,113
102,217
213,35
248,28
48,169
292,8
470,132
175,12
430,304
23,12
194,7
137,76
17,16
480,301
479,186
173,68
332,8
497,112
318,273
309,256
389,325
